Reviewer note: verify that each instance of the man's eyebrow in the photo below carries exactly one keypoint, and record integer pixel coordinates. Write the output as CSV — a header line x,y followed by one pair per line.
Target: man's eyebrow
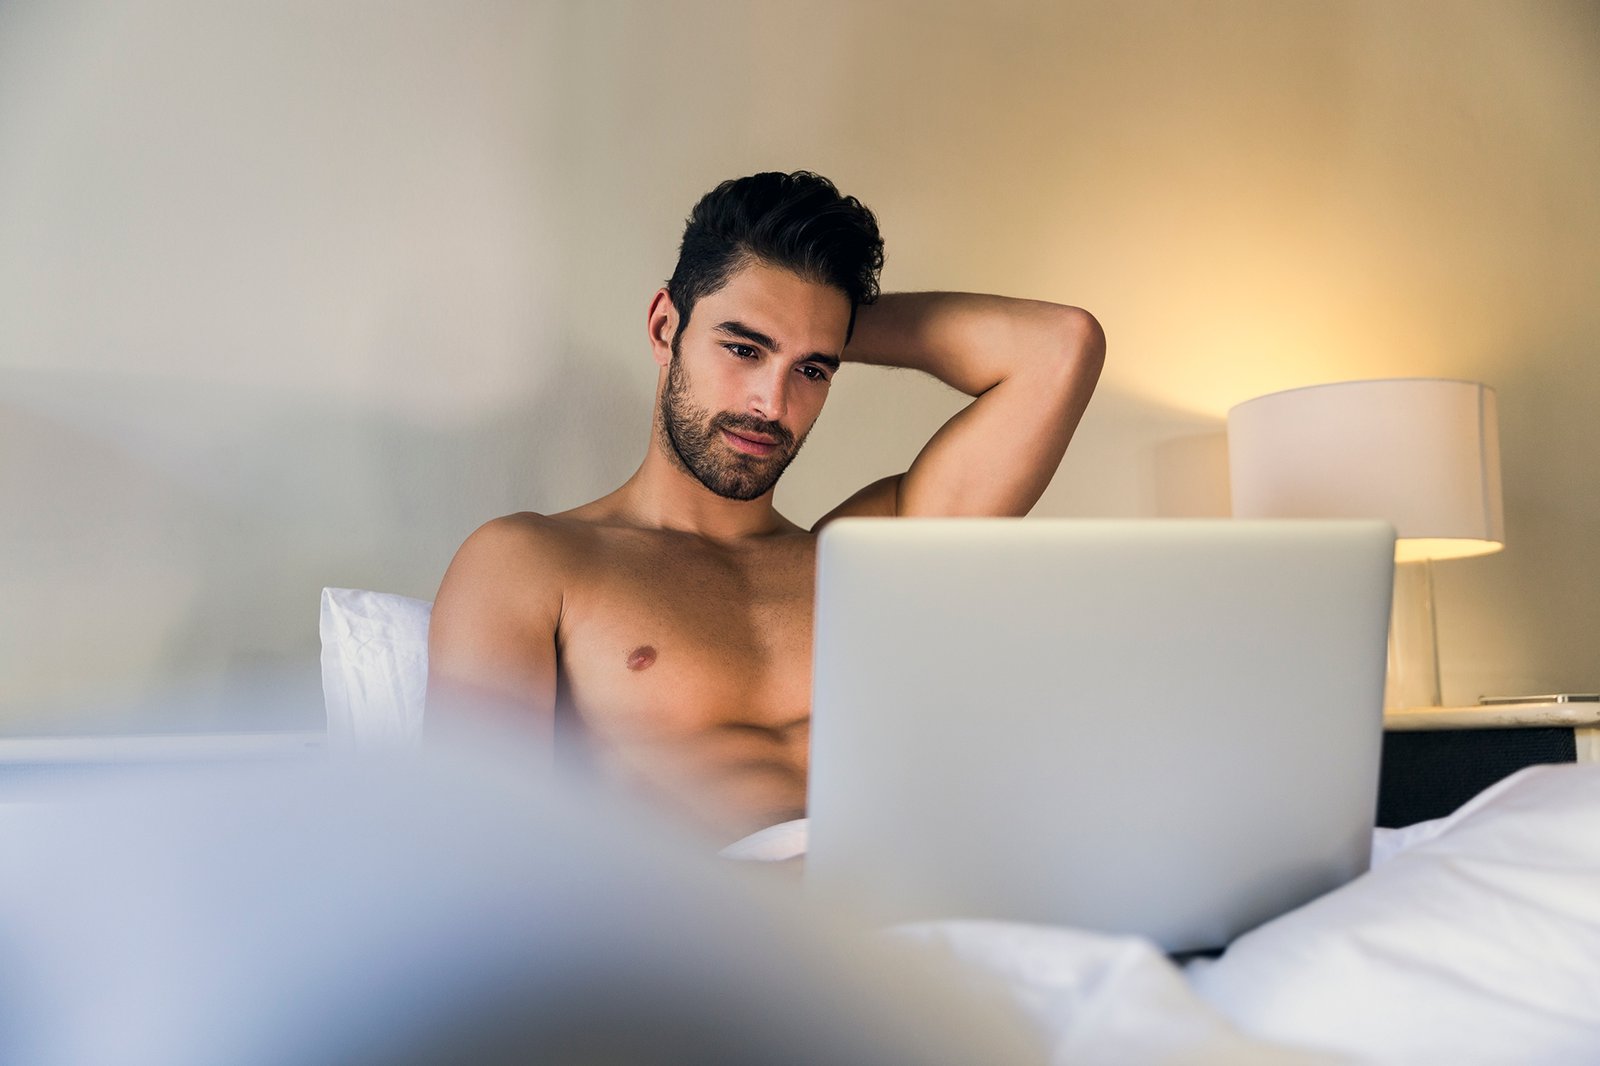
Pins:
x,y
755,336
739,329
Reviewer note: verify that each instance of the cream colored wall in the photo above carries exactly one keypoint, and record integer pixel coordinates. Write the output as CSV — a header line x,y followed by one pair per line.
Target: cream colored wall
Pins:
x,y
295,295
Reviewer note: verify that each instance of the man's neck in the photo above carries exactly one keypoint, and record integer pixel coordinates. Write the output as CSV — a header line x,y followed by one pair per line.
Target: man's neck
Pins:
x,y
661,494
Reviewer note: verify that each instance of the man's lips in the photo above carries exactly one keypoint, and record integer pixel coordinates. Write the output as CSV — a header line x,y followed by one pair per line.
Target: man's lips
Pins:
x,y
750,445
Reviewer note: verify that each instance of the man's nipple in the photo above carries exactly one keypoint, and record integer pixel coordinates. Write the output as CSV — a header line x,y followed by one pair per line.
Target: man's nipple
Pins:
x,y
641,658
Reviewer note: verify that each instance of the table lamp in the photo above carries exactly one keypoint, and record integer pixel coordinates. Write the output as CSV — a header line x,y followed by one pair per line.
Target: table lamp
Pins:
x,y
1422,453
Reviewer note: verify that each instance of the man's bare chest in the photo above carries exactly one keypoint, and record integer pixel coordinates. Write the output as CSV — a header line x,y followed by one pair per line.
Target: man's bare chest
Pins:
x,y
663,641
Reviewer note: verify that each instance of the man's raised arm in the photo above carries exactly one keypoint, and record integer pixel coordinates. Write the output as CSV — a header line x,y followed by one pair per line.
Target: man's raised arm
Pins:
x,y
1032,367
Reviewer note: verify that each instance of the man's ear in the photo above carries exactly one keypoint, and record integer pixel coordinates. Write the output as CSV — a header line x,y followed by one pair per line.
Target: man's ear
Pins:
x,y
661,324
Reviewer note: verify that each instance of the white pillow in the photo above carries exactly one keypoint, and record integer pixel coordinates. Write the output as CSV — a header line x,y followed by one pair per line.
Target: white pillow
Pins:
x,y
1479,942
374,666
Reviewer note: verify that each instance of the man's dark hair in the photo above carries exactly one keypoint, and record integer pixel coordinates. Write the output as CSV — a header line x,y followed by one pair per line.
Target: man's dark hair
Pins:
x,y
796,221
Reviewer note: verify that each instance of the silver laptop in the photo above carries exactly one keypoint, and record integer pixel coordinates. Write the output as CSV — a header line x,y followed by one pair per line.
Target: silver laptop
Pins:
x,y
1166,727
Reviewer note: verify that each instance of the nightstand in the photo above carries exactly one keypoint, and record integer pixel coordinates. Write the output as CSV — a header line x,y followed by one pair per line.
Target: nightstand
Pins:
x,y
1437,758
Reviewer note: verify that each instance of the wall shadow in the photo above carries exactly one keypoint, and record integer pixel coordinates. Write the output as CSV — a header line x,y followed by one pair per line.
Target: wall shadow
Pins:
x,y
167,541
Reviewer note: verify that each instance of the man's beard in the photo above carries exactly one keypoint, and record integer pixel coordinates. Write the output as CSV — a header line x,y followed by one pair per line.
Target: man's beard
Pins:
x,y
694,436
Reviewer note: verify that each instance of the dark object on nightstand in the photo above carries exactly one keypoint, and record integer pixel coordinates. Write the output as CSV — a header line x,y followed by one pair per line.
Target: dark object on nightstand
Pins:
x,y
1429,773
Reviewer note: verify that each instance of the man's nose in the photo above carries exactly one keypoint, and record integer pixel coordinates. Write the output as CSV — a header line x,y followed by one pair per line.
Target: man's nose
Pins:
x,y
769,399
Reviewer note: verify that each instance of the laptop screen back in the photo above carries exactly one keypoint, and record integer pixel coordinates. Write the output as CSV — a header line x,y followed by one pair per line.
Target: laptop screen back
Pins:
x,y
1169,728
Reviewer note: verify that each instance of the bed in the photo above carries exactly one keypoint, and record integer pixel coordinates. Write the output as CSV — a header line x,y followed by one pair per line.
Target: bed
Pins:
x,y
279,903
1474,937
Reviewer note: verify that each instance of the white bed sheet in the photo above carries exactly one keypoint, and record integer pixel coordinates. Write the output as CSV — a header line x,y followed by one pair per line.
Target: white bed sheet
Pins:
x,y
1478,941
1474,938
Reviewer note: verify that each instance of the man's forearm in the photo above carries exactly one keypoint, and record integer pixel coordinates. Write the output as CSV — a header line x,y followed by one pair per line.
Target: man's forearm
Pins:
x,y
970,341
1032,367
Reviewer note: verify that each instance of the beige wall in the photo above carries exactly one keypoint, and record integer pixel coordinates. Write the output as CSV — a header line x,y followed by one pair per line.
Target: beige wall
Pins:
x,y
295,295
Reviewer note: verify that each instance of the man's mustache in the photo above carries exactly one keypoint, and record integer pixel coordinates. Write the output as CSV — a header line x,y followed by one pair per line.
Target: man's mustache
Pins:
x,y
754,425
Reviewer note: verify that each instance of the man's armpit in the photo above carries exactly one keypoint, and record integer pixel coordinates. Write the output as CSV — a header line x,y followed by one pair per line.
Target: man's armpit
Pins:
x,y
881,499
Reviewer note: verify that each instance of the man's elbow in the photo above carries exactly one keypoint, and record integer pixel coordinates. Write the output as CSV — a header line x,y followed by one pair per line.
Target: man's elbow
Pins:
x,y
1083,339
1080,351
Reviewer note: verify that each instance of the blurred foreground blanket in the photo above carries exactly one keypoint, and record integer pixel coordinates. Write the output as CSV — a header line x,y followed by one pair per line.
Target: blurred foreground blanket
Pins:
x,y
411,911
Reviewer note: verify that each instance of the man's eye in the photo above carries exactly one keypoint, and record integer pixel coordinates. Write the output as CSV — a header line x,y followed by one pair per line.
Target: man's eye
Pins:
x,y
743,351
813,373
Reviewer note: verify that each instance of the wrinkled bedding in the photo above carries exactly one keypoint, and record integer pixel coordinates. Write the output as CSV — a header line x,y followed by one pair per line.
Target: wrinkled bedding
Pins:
x,y
1474,938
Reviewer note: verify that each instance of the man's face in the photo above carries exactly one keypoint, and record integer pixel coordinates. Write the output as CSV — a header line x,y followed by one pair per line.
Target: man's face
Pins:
x,y
748,376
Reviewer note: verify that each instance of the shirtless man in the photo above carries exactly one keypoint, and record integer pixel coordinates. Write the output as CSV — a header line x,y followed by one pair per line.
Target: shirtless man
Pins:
x,y
662,633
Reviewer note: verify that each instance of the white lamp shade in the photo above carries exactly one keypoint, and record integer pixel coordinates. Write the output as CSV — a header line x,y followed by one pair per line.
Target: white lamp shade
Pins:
x,y
1422,453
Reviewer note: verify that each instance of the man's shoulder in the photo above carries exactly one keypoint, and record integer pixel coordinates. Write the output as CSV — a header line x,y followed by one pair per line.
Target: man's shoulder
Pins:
x,y
567,545
515,568
514,553
524,546
531,526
